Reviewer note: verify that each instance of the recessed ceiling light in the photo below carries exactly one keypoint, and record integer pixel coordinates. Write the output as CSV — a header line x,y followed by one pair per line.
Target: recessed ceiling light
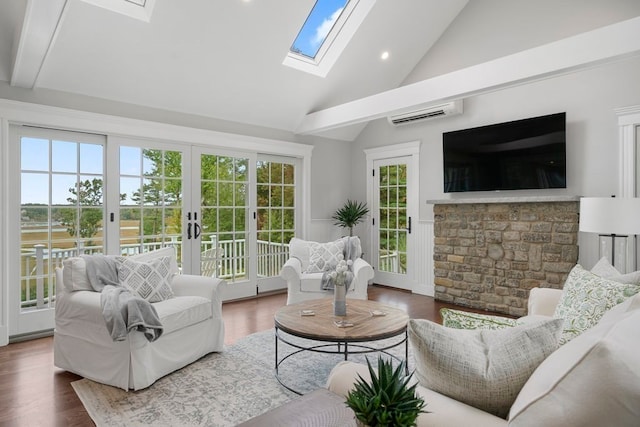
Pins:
x,y
384,55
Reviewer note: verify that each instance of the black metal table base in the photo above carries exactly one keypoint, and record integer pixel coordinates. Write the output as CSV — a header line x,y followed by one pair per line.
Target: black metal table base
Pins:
x,y
345,348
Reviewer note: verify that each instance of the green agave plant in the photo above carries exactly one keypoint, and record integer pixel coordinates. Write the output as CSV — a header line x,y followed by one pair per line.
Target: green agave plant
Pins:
x,y
350,215
388,400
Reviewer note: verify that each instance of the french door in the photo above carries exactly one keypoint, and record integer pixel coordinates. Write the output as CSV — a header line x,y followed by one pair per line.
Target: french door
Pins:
x,y
219,223
394,215
228,214
277,202
58,202
192,198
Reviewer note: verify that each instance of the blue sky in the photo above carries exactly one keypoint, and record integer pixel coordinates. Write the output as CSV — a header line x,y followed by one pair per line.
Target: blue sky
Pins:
x,y
69,160
318,25
64,164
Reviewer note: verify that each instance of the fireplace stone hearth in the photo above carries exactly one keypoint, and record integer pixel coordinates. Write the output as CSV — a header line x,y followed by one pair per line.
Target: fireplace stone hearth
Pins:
x,y
488,253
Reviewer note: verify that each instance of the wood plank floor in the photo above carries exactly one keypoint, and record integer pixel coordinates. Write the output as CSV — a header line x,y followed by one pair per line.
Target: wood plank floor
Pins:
x,y
35,393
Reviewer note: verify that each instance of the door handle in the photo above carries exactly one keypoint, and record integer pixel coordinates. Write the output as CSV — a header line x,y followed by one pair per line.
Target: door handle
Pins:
x,y
196,230
189,231
409,225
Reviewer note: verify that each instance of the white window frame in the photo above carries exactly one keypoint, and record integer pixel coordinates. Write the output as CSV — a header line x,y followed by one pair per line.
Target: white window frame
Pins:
x,y
22,113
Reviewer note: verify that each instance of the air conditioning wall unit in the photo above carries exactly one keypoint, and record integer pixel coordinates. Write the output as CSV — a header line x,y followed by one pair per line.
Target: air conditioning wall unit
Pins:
x,y
448,109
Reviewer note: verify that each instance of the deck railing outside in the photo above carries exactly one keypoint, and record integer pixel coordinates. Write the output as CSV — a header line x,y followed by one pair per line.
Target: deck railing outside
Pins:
x,y
231,263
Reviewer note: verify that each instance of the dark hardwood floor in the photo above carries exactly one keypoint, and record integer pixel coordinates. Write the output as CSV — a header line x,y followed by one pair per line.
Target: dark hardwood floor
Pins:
x,y
35,393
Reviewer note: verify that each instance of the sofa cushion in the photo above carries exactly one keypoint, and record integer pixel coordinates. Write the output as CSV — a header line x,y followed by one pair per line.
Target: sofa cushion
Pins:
x,y
585,298
442,410
74,275
149,280
482,368
179,312
594,380
466,320
168,251
299,249
325,256
311,282
603,268
74,272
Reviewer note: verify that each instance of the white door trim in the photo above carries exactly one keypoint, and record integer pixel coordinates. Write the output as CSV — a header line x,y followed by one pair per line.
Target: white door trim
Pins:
x,y
408,149
628,160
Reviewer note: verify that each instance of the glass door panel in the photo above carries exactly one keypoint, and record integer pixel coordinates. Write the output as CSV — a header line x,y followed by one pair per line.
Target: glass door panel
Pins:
x,y
276,218
151,198
220,224
61,215
392,207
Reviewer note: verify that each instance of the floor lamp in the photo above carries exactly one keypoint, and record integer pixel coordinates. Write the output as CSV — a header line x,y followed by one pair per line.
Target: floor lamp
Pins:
x,y
615,217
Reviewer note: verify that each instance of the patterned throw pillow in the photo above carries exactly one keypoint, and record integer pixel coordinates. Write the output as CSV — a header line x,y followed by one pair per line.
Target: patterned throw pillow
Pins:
x,y
482,368
585,298
324,256
465,320
149,280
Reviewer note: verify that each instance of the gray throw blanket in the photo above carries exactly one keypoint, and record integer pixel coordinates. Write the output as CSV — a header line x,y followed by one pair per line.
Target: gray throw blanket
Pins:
x,y
123,312
102,270
351,253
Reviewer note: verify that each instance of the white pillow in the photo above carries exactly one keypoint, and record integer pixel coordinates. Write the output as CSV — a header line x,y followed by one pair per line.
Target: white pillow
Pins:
x,y
149,280
299,249
74,275
324,256
594,380
603,268
168,251
482,368
585,298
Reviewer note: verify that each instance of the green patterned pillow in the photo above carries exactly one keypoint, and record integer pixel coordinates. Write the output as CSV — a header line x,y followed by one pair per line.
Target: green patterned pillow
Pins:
x,y
585,299
465,320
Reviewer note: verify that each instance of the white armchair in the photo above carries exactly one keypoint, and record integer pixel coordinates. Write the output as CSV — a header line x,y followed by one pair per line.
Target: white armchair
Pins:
x,y
191,319
303,270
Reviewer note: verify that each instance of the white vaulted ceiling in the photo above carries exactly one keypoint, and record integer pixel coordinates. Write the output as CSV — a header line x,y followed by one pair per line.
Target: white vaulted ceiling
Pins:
x,y
223,59
220,59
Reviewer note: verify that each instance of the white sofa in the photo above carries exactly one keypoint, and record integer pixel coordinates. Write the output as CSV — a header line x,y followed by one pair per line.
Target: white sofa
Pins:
x,y
192,322
303,285
593,380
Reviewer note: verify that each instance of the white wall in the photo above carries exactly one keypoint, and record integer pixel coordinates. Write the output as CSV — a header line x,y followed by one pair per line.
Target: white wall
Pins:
x,y
589,98
488,29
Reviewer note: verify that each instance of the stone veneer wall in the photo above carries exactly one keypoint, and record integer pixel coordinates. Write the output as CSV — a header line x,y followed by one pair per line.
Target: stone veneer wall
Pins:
x,y
489,255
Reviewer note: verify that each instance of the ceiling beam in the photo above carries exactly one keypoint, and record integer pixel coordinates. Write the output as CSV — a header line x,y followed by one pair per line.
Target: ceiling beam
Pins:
x,y
39,28
581,51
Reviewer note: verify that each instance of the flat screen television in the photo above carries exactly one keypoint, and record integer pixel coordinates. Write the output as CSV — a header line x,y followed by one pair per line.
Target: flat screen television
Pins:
x,y
517,155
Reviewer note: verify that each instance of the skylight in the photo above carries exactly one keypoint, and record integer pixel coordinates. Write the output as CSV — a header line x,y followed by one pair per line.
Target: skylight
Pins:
x,y
326,32
316,28
138,9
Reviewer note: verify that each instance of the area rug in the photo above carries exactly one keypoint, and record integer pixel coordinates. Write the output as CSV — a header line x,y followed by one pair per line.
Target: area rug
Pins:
x,y
221,389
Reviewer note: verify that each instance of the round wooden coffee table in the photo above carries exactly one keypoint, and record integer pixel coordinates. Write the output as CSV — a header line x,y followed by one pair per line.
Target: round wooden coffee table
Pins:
x,y
365,323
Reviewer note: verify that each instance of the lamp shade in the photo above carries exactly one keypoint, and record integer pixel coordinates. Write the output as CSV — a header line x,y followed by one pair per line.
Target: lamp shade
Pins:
x,y
610,215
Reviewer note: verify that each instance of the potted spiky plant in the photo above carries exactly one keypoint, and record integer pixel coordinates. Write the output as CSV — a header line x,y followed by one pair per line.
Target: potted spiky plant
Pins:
x,y
350,215
388,400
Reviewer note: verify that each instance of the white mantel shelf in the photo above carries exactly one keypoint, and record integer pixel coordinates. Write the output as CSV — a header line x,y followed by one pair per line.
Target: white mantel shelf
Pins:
x,y
530,199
